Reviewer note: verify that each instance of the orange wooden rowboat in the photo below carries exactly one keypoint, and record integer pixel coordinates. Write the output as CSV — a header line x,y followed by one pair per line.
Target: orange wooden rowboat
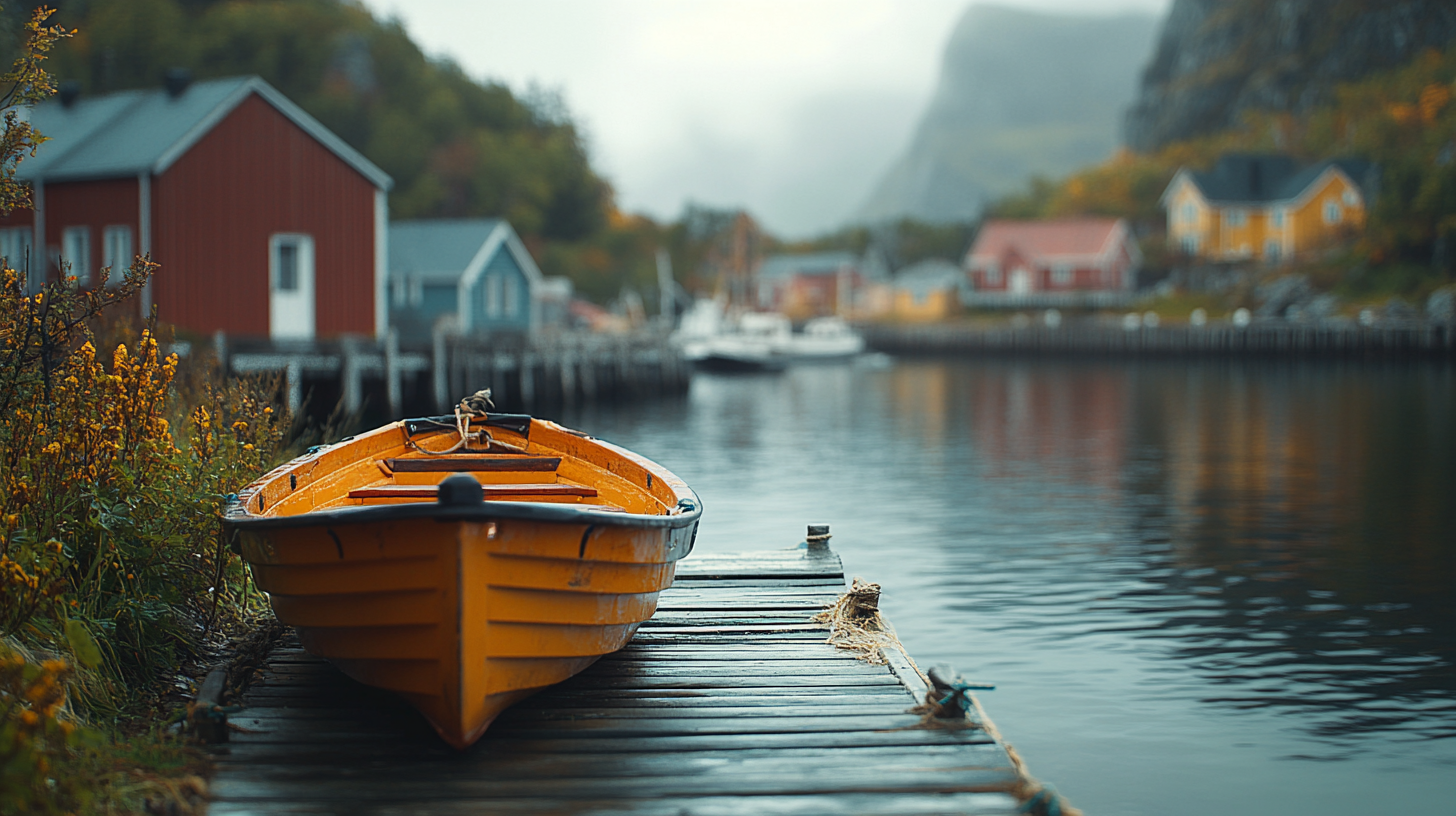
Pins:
x,y
465,581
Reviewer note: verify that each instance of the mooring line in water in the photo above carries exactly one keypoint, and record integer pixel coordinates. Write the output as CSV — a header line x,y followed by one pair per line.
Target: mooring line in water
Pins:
x,y
856,625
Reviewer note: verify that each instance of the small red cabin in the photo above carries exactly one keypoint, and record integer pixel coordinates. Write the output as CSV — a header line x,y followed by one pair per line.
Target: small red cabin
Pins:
x,y
1063,256
264,222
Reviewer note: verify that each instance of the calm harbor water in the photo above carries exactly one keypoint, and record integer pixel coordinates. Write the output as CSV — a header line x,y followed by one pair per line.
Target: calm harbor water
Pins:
x,y
1200,587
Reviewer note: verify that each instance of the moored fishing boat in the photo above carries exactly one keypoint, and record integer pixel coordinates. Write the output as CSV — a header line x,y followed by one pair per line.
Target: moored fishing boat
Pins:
x,y
824,339
467,561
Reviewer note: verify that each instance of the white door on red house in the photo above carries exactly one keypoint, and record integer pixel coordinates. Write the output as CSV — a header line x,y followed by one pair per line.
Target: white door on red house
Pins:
x,y
1020,281
291,287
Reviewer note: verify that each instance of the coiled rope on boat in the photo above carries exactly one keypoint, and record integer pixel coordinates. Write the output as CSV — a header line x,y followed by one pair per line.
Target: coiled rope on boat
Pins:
x,y
475,405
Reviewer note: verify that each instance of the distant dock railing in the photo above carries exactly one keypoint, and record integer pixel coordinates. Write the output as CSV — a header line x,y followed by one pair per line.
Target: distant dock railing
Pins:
x,y
1010,301
1272,338
552,372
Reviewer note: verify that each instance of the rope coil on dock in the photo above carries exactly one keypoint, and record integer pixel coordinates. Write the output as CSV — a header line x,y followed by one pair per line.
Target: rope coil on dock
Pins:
x,y
855,623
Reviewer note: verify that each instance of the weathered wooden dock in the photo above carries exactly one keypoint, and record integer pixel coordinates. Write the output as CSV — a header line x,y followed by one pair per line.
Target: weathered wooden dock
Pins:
x,y
728,701
550,372
1270,338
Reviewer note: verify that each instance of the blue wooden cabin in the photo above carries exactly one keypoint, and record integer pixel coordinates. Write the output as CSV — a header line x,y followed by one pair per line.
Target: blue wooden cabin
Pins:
x,y
471,274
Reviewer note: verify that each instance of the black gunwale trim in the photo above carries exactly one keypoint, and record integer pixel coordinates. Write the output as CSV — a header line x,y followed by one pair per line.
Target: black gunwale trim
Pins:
x,y
520,423
235,517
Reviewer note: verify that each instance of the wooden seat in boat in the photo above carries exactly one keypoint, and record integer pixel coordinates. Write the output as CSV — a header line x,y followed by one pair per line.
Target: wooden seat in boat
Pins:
x,y
460,464
491,491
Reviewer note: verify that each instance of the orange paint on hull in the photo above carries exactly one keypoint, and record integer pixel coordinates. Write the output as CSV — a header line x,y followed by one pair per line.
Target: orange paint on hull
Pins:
x,y
464,611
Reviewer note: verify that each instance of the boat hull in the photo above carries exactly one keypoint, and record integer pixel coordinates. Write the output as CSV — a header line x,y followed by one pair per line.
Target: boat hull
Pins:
x,y
739,363
464,601
463,617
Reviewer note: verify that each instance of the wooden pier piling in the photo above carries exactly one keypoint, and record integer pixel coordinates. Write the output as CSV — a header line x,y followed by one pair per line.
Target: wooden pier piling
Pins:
x,y
728,701
388,381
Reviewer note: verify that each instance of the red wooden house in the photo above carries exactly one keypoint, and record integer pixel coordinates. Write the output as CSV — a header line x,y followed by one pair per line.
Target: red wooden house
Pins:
x,y
264,222
1061,259
815,284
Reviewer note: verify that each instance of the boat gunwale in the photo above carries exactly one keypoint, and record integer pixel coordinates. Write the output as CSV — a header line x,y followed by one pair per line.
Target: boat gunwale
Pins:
x,y
485,511
688,510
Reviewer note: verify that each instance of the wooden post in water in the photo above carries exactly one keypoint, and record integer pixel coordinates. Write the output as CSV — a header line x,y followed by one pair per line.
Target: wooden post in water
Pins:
x,y
440,369
293,376
220,350
528,381
391,372
206,719
352,375
568,378
496,381
817,538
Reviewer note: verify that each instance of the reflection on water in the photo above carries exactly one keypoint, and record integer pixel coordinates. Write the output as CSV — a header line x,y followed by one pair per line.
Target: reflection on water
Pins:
x,y
1201,587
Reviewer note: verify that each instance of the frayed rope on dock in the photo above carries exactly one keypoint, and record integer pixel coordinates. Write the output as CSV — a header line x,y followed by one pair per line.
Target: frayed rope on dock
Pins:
x,y
855,623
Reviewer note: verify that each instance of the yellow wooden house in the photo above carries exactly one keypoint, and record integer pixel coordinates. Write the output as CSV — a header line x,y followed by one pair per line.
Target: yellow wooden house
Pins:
x,y
1266,207
928,291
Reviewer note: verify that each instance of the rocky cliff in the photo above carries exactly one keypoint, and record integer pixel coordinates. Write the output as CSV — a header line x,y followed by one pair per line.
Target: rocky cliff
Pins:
x,y
1020,94
1216,59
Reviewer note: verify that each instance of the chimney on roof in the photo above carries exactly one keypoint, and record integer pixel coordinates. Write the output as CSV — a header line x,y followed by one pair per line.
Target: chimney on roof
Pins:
x,y
176,81
69,91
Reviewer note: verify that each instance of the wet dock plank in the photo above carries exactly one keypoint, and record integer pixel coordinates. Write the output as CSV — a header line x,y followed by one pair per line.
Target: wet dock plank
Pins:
x,y
729,701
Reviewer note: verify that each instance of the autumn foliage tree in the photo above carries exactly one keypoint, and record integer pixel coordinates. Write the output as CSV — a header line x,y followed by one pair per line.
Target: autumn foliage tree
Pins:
x,y
1402,120
455,146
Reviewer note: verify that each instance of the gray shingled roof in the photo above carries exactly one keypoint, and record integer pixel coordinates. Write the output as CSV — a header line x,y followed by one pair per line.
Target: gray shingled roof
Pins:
x,y
929,275
1254,178
437,248
134,132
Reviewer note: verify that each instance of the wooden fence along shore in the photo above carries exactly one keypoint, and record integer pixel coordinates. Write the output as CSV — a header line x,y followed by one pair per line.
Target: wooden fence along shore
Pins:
x,y
728,701
549,374
1272,338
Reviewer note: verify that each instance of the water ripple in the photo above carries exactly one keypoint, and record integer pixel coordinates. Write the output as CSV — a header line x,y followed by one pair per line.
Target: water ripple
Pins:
x,y
1252,562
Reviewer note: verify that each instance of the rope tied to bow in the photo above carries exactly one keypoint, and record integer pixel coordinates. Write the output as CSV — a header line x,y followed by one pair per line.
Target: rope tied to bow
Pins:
x,y
474,406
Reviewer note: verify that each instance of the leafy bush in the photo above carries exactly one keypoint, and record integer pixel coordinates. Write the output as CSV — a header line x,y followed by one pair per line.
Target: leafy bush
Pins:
x,y
35,739
112,483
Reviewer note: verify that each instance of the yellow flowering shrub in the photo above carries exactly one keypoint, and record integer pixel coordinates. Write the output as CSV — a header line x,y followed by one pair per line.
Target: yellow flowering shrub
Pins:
x,y
37,742
112,482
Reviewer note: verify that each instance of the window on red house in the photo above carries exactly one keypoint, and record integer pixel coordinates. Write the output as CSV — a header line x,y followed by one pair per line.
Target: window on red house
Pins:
x,y
76,254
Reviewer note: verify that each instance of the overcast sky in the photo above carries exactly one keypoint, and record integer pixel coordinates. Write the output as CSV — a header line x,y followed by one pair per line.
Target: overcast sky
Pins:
x,y
790,108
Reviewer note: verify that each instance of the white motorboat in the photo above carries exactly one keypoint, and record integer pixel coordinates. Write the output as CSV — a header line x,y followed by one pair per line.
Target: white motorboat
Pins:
x,y
823,339
715,342
760,341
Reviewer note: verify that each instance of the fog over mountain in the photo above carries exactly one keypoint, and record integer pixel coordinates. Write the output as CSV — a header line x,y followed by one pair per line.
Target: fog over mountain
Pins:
x,y
1020,94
